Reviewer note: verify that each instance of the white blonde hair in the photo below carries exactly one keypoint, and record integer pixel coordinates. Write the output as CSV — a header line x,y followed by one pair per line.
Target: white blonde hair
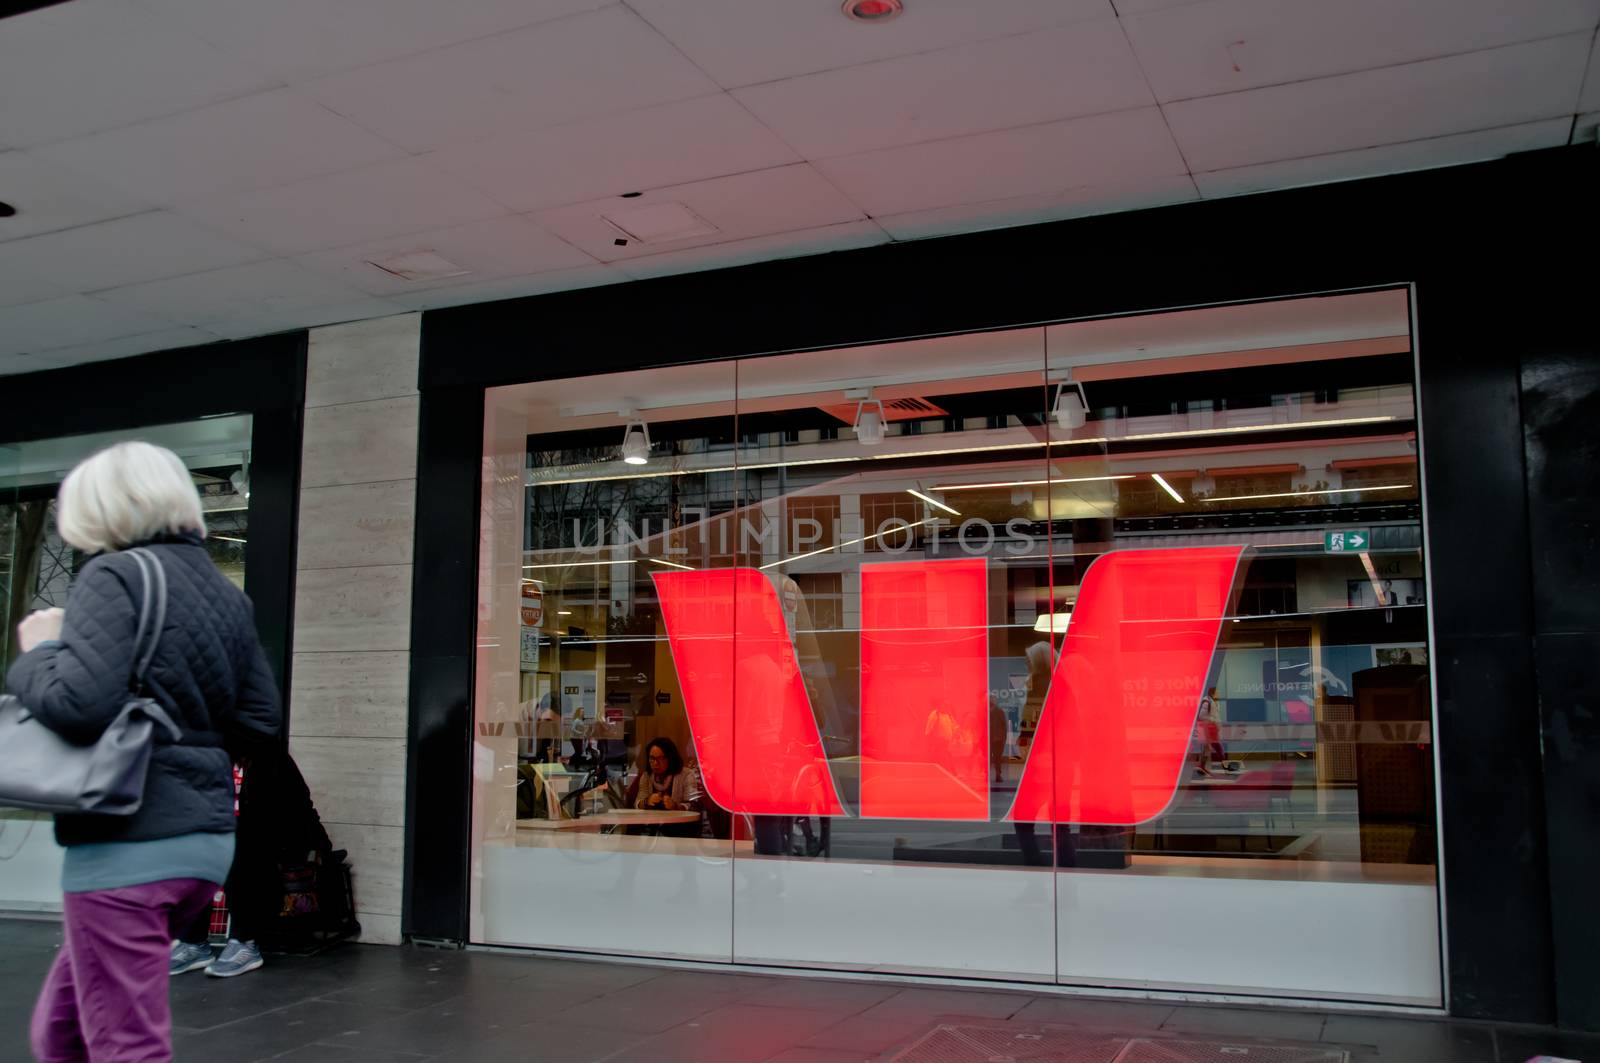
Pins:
x,y
126,494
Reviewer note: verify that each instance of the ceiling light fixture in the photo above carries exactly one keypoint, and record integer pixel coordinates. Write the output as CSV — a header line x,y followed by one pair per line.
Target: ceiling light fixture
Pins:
x,y
908,528
1053,623
1297,494
1136,437
578,564
872,10
419,265
934,502
1071,408
658,223
1168,488
869,416
1032,483
635,440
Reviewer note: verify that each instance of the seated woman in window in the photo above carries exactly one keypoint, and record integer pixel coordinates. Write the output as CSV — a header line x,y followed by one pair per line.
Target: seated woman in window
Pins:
x,y
665,784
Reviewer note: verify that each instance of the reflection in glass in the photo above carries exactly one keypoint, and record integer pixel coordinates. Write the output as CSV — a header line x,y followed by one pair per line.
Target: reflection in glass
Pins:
x,y
1037,682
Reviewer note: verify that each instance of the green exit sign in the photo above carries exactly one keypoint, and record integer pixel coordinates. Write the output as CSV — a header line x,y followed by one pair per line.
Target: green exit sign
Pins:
x,y
1349,541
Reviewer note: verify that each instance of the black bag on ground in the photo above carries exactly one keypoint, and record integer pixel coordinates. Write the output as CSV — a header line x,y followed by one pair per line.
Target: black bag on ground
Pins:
x,y
307,897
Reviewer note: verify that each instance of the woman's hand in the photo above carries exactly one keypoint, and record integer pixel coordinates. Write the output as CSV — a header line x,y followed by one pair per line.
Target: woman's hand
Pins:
x,y
42,626
667,803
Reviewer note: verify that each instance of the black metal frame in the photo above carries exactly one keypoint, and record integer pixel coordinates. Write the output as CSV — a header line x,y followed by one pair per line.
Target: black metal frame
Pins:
x,y
264,377
1482,246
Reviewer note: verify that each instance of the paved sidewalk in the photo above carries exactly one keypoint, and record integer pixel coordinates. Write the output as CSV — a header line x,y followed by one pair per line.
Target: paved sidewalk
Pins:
x,y
368,1004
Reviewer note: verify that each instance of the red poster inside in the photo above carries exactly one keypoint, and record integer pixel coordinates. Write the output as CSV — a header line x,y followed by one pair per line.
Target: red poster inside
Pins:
x,y
758,744
925,690
1125,693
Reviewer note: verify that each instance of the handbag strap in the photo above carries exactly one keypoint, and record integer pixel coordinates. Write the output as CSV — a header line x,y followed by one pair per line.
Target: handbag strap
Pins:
x,y
152,612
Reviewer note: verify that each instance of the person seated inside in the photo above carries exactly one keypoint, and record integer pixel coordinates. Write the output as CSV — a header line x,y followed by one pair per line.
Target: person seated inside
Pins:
x,y
666,785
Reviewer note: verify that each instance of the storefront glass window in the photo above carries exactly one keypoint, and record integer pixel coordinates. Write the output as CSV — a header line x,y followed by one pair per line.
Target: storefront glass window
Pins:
x,y
1086,653
37,569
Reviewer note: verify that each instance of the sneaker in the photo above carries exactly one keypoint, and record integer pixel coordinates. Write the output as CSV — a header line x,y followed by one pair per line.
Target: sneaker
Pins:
x,y
187,957
238,957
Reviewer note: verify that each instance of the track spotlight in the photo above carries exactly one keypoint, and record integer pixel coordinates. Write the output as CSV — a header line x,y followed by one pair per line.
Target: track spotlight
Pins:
x,y
636,443
869,420
1071,410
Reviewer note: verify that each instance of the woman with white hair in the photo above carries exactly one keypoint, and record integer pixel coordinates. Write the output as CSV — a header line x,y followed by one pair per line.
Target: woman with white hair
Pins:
x,y
130,882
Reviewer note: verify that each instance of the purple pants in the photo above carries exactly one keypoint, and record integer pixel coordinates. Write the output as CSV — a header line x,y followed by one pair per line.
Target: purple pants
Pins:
x,y
105,998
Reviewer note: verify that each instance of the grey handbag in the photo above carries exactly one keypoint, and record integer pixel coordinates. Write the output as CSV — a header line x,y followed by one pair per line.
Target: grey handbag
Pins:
x,y
42,771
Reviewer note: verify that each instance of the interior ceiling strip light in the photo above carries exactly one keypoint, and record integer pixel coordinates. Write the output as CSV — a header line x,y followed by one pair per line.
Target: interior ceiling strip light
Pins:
x,y
1135,437
864,539
1372,577
934,502
575,564
1297,494
670,564
1031,483
1168,488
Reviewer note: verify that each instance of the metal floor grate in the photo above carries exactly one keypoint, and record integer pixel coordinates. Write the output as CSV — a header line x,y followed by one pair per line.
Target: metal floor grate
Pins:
x,y
1010,1043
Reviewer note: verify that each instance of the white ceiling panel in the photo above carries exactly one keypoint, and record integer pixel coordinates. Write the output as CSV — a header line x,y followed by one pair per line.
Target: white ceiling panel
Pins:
x,y
500,247
267,322
18,285
50,198
1229,45
127,346
98,64
786,199
23,363
203,299
743,42
1139,7
563,71
511,288
1504,86
819,241
692,140
338,210
1589,99
71,321
1080,152
302,39
110,254
1066,72
1031,210
258,141
1390,158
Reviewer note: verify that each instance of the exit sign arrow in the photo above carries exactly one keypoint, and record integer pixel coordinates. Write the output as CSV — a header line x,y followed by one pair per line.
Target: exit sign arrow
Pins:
x,y
1348,541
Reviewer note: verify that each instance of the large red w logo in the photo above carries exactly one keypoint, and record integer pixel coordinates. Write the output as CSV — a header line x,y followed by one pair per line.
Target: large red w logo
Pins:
x,y
1110,742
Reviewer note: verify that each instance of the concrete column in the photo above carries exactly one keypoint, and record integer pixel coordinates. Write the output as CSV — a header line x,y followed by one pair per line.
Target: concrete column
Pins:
x,y
352,617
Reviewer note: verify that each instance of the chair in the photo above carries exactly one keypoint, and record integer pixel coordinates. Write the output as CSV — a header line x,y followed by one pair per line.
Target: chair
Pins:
x,y
1280,780
1299,712
1247,795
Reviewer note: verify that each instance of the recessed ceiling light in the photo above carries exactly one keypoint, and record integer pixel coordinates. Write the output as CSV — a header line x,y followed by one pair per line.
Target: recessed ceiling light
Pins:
x,y
419,266
872,10
658,223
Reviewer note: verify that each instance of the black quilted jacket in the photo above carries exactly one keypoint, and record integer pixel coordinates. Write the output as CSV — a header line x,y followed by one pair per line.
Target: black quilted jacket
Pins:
x,y
209,672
